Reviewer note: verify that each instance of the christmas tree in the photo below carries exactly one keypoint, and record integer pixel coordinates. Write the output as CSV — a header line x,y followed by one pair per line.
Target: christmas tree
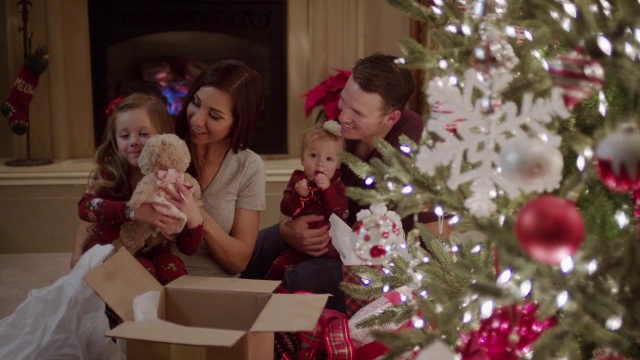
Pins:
x,y
531,141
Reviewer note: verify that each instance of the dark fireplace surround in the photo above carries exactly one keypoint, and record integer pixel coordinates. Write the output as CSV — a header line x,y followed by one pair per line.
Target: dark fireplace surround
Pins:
x,y
127,36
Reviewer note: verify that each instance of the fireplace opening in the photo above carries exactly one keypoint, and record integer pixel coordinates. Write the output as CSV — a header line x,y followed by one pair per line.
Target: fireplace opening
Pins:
x,y
162,45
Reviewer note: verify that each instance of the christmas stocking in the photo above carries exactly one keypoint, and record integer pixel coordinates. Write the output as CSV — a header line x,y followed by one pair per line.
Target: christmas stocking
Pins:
x,y
16,108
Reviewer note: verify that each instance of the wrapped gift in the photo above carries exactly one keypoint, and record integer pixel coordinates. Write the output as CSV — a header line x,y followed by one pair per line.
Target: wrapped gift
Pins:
x,y
350,275
366,347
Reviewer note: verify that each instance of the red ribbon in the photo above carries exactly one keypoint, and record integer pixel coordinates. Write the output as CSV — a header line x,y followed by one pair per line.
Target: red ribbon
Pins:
x,y
168,177
115,102
304,200
330,337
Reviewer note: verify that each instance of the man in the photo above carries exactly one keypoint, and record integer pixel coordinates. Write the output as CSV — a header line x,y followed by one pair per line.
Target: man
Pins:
x,y
372,106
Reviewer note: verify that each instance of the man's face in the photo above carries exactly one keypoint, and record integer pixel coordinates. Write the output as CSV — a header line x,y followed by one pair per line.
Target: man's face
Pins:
x,y
361,114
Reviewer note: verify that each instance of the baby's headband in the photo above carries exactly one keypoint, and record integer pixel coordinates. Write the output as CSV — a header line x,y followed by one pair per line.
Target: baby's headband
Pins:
x,y
112,105
333,127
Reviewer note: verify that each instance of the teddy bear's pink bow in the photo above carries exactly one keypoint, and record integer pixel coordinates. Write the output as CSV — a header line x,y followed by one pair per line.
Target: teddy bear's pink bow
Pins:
x,y
168,177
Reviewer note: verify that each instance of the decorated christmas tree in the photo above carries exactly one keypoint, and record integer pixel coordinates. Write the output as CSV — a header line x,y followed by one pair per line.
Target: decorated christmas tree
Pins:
x,y
531,152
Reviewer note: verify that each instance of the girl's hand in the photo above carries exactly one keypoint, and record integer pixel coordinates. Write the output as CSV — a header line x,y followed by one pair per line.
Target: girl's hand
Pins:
x,y
322,181
302,188
182,198
150,214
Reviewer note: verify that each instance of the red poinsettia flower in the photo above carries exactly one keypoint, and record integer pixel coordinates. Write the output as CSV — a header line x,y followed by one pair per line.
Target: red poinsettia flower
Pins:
x,y
327,94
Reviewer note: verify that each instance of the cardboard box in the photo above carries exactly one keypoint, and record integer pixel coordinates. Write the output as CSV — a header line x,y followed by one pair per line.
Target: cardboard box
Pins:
x,y
201,317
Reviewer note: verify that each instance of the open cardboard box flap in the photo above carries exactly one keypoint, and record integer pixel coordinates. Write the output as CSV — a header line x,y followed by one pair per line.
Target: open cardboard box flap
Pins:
x,y
224,284
121,278
290,313
166,332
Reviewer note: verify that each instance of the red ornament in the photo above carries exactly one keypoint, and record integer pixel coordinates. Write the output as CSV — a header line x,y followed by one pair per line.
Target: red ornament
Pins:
x,y
357,226
508,334
549,229
377,251
607,354
577,75
618,159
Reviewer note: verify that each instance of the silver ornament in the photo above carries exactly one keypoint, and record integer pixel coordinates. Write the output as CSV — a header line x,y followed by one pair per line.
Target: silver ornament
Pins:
x,y
531,164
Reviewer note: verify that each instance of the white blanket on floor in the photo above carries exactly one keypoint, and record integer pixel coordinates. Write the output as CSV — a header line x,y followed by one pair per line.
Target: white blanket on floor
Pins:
x,y
65,320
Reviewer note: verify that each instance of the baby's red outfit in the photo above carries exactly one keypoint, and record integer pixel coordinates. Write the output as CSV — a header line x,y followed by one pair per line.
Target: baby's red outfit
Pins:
x,y
332,200
108,212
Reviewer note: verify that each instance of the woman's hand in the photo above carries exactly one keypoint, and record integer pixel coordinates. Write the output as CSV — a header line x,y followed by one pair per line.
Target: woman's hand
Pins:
x,y
182,198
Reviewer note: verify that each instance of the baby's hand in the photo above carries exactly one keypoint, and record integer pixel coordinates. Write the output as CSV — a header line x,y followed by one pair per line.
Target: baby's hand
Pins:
x,y
322,181
302,188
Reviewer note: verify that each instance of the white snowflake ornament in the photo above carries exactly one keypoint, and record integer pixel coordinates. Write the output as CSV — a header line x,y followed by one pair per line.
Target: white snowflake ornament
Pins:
x,y
480,135
377,234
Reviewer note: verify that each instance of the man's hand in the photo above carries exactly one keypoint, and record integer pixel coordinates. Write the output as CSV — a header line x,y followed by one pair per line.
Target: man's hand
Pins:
x,y
296,233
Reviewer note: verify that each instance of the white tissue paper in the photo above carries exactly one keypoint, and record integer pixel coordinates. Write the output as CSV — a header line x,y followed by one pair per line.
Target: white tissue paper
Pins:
x,y
65,320
145,306
340,234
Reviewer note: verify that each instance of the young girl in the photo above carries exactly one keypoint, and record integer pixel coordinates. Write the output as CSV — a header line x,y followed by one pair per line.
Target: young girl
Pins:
x,y
132,121
316,190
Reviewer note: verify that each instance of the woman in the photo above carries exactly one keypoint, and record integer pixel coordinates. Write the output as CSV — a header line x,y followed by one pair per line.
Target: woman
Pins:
x,y
220,116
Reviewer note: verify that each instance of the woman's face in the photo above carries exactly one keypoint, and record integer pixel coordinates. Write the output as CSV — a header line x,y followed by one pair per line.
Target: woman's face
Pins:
x,y
209,116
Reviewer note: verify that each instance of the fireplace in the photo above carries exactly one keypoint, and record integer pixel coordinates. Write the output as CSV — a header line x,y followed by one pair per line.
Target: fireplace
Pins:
x,y
160,45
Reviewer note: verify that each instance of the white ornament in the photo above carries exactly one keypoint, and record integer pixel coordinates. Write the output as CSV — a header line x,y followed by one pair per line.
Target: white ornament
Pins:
x,y
377,234
622,150
480,135
531,164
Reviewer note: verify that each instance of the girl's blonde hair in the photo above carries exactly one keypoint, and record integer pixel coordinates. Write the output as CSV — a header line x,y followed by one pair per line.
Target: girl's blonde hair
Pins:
x,y
326,131
112,169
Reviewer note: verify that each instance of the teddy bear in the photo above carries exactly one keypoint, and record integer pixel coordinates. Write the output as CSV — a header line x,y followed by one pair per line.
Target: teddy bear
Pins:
x,y
163,162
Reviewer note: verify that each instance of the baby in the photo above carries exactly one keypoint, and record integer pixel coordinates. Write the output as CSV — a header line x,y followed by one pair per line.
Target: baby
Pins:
x,y
316,190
